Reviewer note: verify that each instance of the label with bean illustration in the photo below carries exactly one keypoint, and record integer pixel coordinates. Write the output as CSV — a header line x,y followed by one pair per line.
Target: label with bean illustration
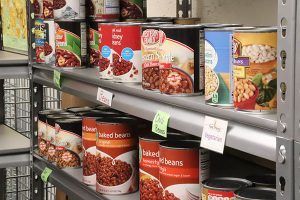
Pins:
x,y
255,69
106,52
132,9
89,150
39,34
48,9
150,58
49,46
127,59
42,134
70,39
104,9
218,68
69,9
94,44
116,158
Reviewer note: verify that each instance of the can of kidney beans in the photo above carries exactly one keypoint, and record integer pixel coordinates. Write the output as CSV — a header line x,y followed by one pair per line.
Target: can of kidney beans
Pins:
x,y
49,47
116,157
39,35
127,59
223,187
104,10
182,59
256,193
69,9
132,9
68,142
48,9
51,134
71,44
38,8
94,51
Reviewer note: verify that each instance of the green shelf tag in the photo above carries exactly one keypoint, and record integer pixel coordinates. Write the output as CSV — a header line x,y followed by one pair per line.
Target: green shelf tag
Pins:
x,y
46,173
160,123
56,78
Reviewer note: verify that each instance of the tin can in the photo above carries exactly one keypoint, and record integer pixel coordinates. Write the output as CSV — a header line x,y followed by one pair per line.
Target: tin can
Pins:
x,y
49,47
76,110
179,169
39,35
223,187
116,156
263,180
186,21
69,9
38,9
255,69
132,9
68,142
181,60
48,9
127,59
104,10
160,19
94,51
106,51
71,44
256,193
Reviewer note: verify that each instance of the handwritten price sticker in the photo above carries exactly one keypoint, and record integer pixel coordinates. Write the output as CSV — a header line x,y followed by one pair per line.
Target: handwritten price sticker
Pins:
x,y
160,123
214,134
56,78
104,96
46,173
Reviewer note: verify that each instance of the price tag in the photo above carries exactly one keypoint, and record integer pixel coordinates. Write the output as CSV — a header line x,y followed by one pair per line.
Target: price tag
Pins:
x,y
160,123
46,173
104,96
214,134
56,78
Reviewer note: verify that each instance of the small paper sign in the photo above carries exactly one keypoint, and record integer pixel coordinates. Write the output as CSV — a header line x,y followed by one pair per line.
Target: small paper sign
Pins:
x,y
160,123
56,78
214,134
104,96
46,173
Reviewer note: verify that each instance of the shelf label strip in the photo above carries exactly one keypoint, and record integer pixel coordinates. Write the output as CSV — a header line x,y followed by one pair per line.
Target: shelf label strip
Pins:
x,y
105,97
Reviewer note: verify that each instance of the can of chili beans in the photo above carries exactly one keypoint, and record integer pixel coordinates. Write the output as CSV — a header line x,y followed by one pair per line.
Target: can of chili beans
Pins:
x,y
116,157
181,59
256,193
39,35
49,47
42,130
48,9
68,141
127,59
179,170
51,134
132,9
69,9
104,10
71,44
38,9
223,187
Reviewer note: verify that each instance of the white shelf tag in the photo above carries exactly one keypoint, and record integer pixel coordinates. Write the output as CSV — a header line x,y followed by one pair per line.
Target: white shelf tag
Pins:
x,y
104,96
214,134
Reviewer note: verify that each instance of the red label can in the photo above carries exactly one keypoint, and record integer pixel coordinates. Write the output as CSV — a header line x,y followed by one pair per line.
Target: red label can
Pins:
x,y
127,59
116,157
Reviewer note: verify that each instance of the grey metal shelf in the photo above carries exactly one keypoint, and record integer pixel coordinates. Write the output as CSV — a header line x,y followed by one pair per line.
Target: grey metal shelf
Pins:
x,y
69,180
254,134
13,65
9,58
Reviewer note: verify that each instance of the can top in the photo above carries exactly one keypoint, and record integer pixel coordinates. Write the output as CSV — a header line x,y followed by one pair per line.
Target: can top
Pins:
x,y
160,19
181,26
68,121
217,25
256,193
180,145
228,29
79,109
110,111
52,111
258,30
115,120
59,116
264,180
152,137
226,184
99,113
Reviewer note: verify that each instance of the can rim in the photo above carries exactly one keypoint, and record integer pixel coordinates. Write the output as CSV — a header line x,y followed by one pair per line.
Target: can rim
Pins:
x,y
241,193
69,120
258,30
115,120
229,28
180,145
241,183
180,26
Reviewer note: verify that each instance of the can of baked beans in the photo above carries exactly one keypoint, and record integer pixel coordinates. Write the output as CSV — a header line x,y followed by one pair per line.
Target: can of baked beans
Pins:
x,y
104,10
218,66
181,59
255,69
68,141
223,187
71,44
48,9
42,130
263,180
256,193
132,9
51,134
39,35
116,156
49,47
179,169
127,59
38,9
69,9
94,51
